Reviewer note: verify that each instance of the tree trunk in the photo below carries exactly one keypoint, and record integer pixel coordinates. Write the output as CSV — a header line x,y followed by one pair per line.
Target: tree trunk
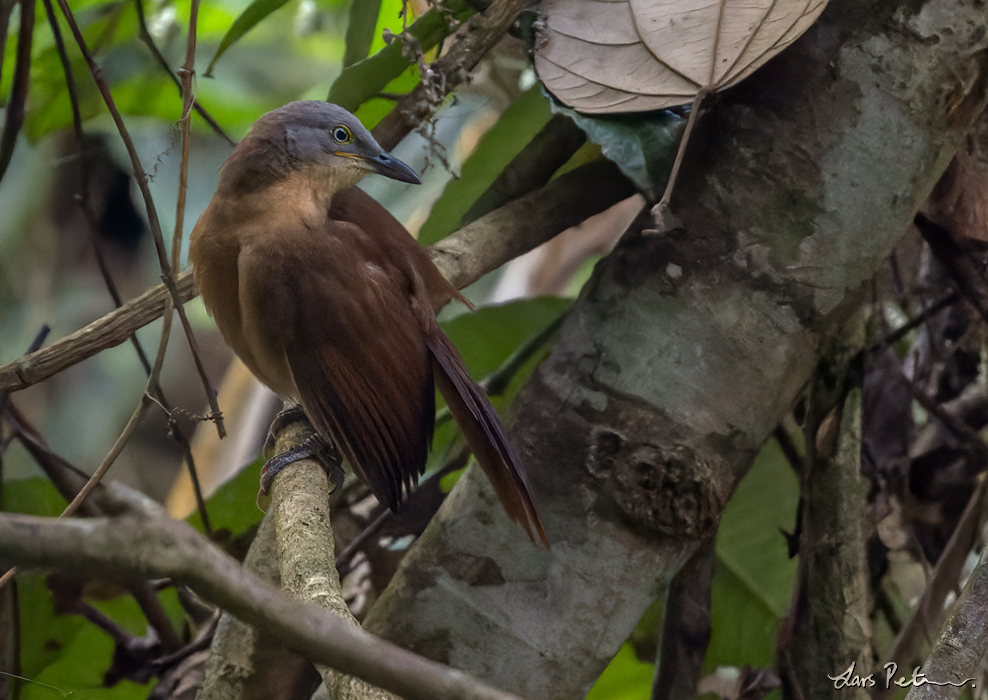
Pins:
x,y
686,349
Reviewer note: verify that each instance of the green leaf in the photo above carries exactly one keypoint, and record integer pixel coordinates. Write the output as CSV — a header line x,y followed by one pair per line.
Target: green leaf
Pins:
x,y
389,17
360,30
752,587
374,110
364,79
642,145
34,496
233,506
44,635
488,336
248,19
625,678
498,147
79,671
64,654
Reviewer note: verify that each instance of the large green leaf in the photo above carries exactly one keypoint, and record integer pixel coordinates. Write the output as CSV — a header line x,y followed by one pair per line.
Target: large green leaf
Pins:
x,y
376,108
360,30
625,678
753,583
44,635
248,19
233,507
488,336
34,496
505,140
79,671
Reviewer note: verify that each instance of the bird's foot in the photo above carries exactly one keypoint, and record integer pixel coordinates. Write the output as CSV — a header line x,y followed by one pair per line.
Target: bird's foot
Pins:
x,y
313,446
285,417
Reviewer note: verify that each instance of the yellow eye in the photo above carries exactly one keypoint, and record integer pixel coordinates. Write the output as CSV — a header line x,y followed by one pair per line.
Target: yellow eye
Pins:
x,y
342,134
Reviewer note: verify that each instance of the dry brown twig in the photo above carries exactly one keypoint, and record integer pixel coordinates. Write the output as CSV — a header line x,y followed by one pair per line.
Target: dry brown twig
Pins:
x,y
148,40
140,175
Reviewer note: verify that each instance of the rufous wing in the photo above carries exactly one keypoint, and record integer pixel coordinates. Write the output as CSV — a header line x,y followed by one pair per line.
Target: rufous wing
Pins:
x,y
363,371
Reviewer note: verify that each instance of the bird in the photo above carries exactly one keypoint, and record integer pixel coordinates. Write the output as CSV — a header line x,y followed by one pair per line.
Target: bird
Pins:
x,y
331,303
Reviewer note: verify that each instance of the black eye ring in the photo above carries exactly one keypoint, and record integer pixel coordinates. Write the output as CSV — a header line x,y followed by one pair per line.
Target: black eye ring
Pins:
x,y
342,134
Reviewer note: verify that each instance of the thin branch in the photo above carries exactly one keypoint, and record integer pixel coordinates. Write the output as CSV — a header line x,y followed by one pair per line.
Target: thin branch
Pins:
x,y
109,331
148,40
789,450
469,45
686,628
130,546
121,441
14,113
90,216
944,579
68,480
960,650
900,332
532,168
188,101
463,257
154,223
528,222
960,265
701,95
961,430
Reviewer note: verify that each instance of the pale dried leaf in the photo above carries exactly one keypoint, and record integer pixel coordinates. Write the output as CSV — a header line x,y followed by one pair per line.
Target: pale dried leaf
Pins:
x,y
605,56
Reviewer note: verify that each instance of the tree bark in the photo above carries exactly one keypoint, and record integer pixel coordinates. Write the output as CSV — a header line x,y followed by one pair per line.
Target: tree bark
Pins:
x,y
685,350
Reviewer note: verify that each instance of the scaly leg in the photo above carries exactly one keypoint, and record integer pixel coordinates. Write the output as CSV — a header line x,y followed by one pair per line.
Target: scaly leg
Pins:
x,y
313,446
293,413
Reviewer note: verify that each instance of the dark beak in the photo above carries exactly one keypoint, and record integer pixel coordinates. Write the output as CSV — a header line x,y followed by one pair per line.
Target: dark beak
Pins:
x,y
389,166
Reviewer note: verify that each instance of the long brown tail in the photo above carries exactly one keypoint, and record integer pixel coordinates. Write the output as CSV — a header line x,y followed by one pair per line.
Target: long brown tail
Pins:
x,y
479,422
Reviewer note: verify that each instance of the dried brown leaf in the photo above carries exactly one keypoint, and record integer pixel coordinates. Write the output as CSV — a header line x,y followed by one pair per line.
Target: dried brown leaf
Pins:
x,y
603,56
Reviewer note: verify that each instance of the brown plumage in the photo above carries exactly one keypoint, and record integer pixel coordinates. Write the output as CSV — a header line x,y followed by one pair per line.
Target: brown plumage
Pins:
x,y
330,302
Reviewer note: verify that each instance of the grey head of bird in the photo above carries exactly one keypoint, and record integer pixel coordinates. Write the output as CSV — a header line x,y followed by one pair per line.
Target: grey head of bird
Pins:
x,y
310,134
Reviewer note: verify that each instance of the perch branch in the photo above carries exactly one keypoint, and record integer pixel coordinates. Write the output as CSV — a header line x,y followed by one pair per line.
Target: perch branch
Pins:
x,y
305,551
129,546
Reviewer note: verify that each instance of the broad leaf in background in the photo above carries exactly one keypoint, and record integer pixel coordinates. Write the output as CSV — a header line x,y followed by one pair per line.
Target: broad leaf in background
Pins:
x,y
255,12
752,586
625,678
233,506
517,126
36,496
360,30
488,336
607,56
376,108
81,664
642,146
